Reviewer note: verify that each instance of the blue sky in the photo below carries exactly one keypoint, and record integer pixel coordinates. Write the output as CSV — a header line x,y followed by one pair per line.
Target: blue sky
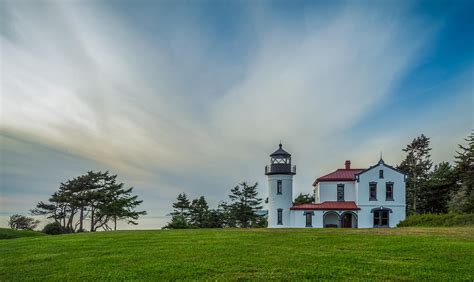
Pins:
x,y
192,96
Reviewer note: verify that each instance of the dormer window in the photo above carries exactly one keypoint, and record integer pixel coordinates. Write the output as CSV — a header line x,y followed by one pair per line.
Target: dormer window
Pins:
x,y
381,173
279,187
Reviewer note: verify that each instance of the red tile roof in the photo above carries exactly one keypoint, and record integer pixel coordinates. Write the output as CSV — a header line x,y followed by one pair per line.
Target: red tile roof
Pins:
x,y
340,175
328,205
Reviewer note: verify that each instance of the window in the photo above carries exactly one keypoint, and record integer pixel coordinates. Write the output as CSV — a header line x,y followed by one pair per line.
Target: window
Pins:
x,y
340,192
389,191
373,191
309,219
279,187
381,218
381,173
280,217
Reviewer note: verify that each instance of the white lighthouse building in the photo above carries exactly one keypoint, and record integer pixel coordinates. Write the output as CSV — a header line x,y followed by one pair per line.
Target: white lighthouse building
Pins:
x,y
345,198
280,188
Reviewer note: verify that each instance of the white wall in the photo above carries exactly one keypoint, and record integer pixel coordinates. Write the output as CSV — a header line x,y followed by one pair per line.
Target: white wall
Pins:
x,y
283,201
327,191
399,200
299,219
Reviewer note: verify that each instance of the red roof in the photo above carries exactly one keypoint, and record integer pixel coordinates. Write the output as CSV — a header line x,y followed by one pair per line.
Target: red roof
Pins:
x,y
328,205
340,175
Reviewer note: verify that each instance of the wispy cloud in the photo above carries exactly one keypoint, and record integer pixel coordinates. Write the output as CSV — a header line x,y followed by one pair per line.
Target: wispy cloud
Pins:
x,y
172,111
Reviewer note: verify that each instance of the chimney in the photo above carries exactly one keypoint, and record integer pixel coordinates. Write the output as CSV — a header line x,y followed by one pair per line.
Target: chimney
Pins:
x,y
348,164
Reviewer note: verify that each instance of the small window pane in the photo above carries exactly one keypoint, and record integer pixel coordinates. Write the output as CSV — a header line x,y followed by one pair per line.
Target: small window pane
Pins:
x,y
279,187
373,191
340,192
280,217
381,173
389,191
309,219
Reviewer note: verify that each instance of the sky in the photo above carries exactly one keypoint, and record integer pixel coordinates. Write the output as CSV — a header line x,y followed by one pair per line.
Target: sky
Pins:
x,y
193,96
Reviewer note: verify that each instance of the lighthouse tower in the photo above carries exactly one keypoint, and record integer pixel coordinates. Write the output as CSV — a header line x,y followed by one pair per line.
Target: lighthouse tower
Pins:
x,y
280,188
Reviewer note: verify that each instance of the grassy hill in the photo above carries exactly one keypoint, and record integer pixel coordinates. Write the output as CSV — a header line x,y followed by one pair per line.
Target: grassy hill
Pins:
x,y
388,254
7,233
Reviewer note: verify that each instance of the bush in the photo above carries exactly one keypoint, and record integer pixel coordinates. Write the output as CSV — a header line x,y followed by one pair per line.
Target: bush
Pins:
x,y
53,229
438,220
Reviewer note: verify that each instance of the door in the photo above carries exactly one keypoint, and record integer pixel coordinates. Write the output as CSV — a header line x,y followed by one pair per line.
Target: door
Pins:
x,y
347,220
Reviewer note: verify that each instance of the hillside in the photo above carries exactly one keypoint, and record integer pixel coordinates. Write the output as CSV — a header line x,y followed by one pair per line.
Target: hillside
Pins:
x,y
7,233
389,254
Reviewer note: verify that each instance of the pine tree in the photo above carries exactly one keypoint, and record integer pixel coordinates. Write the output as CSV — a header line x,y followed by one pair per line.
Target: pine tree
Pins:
x,y
181,206
416,165
199,212
441,183
463,198
244,204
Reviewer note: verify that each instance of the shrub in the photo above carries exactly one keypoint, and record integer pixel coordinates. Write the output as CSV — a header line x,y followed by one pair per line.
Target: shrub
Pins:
x,y
438,220
53,229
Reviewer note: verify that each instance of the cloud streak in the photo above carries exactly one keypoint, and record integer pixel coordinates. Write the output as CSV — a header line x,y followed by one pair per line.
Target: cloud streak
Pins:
x,y
171,110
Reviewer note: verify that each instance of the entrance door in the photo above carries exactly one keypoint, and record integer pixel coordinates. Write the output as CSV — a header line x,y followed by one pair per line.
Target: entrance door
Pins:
x,y
347,220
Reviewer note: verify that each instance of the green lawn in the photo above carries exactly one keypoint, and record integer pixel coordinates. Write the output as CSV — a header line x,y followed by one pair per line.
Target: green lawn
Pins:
x,y
382,254
7,233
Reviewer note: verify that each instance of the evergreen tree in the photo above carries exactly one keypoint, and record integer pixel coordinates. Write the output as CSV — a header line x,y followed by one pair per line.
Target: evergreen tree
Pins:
x,y
416,165
304,199
199,213
177,222
438,188
19,222
463,198
96,196
181,206
244,204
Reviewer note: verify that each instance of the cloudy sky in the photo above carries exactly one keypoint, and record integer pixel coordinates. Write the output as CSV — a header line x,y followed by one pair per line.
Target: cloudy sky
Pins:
x,y
192,96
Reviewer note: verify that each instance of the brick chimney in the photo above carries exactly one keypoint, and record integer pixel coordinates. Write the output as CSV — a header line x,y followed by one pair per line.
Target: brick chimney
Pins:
x,y
348,164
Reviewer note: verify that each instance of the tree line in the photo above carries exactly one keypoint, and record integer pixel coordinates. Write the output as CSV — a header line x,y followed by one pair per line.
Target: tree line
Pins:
x,y
440,188
95,198
241,211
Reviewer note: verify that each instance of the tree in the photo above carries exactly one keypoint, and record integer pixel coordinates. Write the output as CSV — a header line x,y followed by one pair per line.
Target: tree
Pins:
x,y
304,199
96,196
177,222
244,204
462,199
18,221
181,206
416,165
199,212
440,184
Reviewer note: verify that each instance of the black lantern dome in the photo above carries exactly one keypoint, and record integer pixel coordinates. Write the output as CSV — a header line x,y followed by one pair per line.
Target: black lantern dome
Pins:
x,y
280,163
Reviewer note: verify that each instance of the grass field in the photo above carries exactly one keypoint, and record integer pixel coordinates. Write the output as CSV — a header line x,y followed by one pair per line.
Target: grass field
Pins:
x,y
7,233
381,254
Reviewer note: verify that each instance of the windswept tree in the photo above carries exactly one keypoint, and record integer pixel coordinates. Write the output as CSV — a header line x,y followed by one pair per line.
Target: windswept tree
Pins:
x,y
22,222
244,204
416,165
95,196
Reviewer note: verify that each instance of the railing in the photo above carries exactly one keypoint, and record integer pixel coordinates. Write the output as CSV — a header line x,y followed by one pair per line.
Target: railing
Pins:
x,y
280,168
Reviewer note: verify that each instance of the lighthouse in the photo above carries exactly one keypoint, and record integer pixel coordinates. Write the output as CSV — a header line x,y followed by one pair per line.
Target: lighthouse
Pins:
x,y
280,188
